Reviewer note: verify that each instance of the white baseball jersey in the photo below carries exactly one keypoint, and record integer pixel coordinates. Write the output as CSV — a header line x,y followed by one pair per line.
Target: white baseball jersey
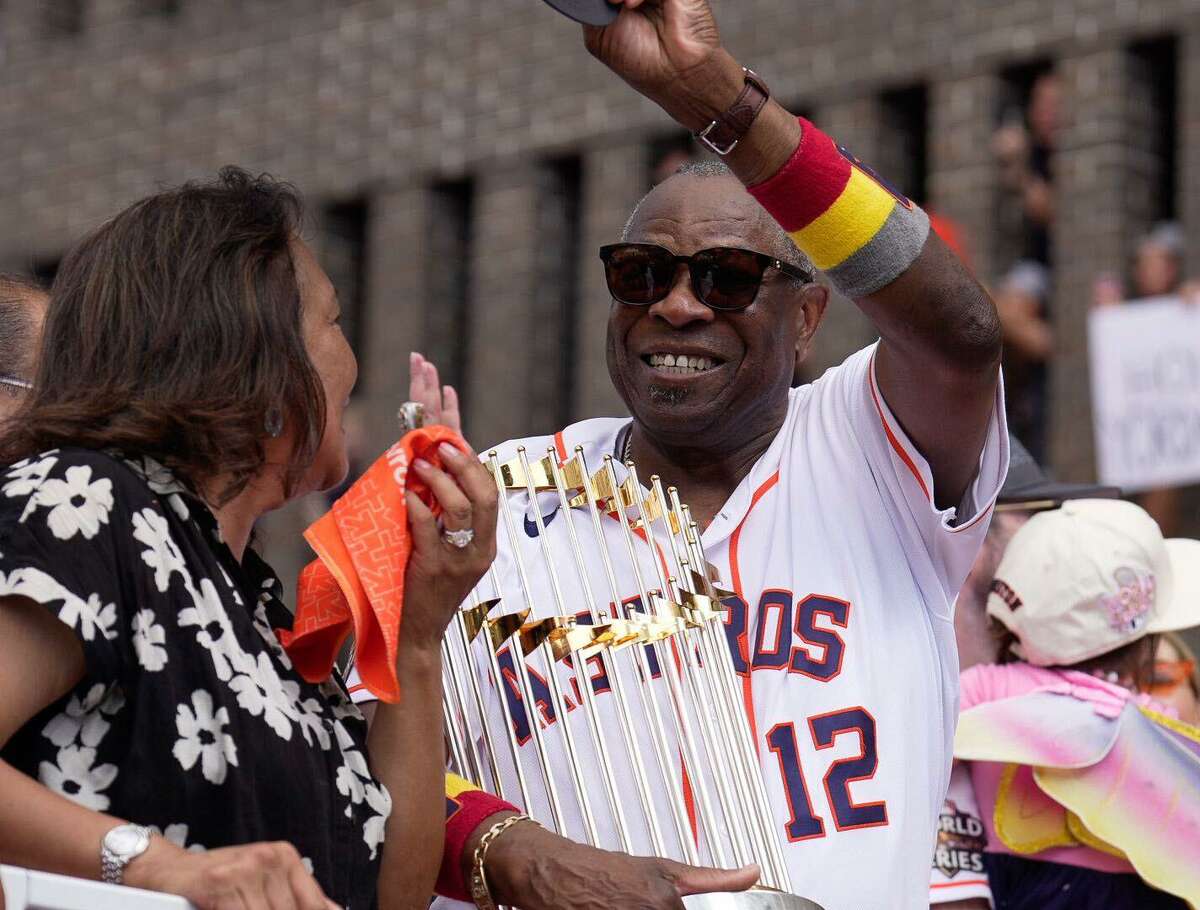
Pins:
x,y
842,633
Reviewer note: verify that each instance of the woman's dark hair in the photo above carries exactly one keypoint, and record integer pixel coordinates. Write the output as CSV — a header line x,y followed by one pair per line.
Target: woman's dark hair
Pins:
x,y
1133,662
172,331
17,341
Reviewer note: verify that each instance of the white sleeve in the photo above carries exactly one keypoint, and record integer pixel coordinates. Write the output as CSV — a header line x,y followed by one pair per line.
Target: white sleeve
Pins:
x,y
957,873
950,539
359,693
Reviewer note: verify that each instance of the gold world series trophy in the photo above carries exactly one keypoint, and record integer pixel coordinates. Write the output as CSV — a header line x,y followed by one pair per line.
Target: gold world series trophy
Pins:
x,y
667,765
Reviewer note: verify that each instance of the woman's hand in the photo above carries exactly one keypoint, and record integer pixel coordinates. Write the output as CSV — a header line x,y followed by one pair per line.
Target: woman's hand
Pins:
x,y
440,401
440,574
264,876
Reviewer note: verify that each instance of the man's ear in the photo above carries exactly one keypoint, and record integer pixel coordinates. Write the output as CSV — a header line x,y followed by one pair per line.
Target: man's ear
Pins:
x,y
813,300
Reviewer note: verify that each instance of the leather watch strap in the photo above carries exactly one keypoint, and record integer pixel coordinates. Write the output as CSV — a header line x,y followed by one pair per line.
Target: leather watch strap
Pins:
x,y
724,133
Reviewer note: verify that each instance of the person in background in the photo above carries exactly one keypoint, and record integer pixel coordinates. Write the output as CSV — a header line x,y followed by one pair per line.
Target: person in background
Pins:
x,y
1078,598
1176,680
22,308
1022,300
1157,272
1024,147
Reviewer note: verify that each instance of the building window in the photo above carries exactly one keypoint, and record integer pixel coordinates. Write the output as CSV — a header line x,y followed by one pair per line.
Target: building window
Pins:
x,y
164,8
62,17
905,128
558,263
343,250
446,338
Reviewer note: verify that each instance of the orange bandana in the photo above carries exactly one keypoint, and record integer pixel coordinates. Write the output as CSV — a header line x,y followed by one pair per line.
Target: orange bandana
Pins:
x,y
356,583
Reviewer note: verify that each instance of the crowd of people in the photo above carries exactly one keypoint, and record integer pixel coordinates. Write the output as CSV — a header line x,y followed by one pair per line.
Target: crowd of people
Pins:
x,y
186,374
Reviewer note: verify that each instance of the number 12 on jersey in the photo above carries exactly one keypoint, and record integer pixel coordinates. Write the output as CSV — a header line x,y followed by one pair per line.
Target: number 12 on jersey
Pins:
x,y
824,730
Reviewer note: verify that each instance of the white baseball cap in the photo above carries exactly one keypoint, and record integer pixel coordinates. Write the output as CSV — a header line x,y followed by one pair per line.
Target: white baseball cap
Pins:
x,y
1090,577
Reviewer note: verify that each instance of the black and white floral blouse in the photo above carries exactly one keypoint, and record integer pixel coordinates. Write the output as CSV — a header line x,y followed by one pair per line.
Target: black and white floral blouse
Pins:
x,y
190,717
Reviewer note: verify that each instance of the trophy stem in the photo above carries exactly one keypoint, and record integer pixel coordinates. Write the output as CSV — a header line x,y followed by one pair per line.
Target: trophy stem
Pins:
x,y
658,738
670,672
717,746
499,683
560,704
518,659
462,667
580,665
723,662
462,746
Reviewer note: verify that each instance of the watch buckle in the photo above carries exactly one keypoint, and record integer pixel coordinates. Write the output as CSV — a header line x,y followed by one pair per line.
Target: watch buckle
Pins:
x,y
724,150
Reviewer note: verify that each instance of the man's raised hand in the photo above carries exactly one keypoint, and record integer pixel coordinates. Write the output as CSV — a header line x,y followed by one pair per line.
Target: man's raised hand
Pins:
x,y
666,49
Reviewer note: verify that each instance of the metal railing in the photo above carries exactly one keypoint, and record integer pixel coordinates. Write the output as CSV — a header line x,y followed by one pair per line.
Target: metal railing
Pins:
x,y
25,889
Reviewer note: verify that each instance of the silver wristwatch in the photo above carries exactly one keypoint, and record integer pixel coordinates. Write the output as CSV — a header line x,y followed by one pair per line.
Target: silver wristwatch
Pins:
x,y
121,846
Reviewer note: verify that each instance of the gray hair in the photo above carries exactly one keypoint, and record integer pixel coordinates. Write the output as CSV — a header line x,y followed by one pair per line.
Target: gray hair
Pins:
x,y
17,341
783,247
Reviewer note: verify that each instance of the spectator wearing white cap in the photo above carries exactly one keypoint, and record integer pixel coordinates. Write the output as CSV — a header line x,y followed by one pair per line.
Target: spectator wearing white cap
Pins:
x,y
1078,599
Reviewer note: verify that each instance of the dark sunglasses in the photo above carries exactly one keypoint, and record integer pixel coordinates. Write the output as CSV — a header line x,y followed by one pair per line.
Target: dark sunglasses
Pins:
x,y
723,278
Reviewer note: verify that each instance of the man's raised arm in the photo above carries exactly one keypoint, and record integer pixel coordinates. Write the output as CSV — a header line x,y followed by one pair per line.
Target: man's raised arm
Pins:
x,y
938,363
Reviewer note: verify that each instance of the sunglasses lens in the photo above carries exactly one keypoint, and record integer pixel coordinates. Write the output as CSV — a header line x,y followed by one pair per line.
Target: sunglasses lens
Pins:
x,y
639,275
728,279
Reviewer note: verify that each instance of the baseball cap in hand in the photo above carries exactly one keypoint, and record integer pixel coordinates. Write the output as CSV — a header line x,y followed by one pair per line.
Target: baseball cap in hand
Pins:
x,y
589,12
1086,579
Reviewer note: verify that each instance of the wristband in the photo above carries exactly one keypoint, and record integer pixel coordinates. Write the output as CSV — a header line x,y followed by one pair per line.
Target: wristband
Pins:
x,y
467,807
855,227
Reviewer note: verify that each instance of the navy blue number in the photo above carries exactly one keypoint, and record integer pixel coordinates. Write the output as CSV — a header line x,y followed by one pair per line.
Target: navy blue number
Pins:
x,y
803,824
825,728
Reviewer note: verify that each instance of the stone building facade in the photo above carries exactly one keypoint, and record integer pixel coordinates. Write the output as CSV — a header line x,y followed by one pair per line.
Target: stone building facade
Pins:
x,y
463,160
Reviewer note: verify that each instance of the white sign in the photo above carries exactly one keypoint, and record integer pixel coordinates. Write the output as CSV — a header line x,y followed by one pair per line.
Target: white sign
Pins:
x,y
1145,366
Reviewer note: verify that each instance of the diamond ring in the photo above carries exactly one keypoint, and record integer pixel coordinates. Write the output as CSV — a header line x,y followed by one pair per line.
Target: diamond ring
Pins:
x,y
461,539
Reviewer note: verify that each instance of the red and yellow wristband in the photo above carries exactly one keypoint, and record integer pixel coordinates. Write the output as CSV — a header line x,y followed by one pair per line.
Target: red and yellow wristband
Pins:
x,y
853,226
466,808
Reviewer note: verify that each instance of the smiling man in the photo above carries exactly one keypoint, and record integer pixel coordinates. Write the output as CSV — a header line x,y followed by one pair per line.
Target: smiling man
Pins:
x,y
845,514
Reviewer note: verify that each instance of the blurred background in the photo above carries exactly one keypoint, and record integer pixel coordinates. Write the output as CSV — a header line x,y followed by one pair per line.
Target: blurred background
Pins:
x,y
464,159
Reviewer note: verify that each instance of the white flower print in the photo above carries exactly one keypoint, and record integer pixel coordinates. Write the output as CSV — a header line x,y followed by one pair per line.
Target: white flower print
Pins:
x,y
85,719
26,476
178,835
260,691
263,626
78,505
355,783
214,630
380,802
163,556
74,777
202,737
148,639
88,616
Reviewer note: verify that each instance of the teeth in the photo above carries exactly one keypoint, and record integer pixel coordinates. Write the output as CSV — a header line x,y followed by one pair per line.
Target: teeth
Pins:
x,y
680,364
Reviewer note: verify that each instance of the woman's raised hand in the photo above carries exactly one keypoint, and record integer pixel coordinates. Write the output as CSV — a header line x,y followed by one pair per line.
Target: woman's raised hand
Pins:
x,y
441,574
440,401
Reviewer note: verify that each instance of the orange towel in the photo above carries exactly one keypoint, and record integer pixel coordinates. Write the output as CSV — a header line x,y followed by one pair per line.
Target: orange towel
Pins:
x,y
357,581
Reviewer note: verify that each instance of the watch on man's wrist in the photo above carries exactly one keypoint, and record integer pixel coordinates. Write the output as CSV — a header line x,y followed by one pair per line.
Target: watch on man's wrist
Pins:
x,y
723,134
121,846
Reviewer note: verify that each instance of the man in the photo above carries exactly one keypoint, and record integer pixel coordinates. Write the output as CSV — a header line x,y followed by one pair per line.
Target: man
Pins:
x,y
22,306
845,514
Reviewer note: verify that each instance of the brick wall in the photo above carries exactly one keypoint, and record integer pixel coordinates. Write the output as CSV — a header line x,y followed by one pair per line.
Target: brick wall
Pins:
x,y
450,119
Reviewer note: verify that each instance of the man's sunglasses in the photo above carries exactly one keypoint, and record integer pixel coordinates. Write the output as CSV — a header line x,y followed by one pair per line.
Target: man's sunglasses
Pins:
x,y
723,278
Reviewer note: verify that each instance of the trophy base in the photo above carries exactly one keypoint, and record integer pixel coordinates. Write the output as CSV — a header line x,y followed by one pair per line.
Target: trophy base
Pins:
x,y
749,900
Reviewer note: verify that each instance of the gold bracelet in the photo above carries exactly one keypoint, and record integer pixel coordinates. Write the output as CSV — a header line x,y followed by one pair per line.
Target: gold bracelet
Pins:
x,y
480,892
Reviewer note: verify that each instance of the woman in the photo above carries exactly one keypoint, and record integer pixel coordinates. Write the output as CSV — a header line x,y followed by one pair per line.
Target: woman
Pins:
x,y
192,377
1063,755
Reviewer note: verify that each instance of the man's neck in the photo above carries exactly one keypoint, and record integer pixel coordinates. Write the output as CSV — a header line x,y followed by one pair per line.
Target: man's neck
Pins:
x,y
705,477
